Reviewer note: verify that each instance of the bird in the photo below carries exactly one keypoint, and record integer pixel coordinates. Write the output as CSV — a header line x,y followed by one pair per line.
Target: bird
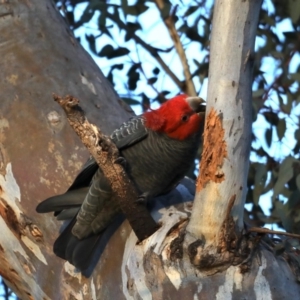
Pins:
x,y
157,149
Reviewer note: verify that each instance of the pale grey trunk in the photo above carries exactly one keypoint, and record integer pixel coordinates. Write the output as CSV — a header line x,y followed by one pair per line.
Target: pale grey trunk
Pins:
x,y
229,94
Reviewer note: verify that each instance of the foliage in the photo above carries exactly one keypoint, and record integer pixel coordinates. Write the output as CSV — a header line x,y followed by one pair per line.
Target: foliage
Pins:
x,y
156,49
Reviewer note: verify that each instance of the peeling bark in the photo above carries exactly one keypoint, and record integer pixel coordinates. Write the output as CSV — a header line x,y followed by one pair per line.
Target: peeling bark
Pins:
x,y
214,153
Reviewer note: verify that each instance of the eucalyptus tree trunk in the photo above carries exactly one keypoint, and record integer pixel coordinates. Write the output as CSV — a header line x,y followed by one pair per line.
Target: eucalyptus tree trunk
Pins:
x,y
222,183
39,152
40,155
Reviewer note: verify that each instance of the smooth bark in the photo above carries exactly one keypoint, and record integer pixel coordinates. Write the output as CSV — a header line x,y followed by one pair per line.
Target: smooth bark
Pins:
x,y
39,152
225,158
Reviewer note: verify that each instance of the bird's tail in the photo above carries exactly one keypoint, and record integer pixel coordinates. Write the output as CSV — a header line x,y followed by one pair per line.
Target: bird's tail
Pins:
x,y
68,247
85,253
79,253
91,210
64,206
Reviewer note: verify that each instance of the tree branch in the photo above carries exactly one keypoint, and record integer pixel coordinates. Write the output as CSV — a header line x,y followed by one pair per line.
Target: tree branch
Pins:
x,y
169,22
106,154
269,231
152,51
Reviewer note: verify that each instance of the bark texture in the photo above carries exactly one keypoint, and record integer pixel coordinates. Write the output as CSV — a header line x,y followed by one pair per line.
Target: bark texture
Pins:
x,y
39,153
225,158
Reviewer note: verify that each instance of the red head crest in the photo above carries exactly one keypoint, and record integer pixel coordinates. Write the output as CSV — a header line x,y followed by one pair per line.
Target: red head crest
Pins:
x,y
179,118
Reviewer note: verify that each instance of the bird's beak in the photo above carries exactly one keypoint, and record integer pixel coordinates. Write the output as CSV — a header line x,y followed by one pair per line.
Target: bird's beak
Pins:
x,y
197,104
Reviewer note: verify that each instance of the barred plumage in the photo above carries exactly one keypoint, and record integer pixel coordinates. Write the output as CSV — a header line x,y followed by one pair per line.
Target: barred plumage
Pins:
x,y
159,147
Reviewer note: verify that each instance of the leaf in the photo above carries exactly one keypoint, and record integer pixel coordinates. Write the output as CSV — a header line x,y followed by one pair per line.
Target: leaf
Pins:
x,y
271,117
290,100
87,15
124,5
291,36
297,134
165,93
145,102
133,77
106,50
193,35
259,181
294,200
95,4
102,20
269,20
152,80
295,76
281,102
286,192
121,51
191,10
282,211
281,128
92,42
131,28
110,74
115,16
286,172
294,10
183,28
156,71
258,93
130,101
135,10
109,51
202,70
298,181
118,66
268,135
70,17
296,217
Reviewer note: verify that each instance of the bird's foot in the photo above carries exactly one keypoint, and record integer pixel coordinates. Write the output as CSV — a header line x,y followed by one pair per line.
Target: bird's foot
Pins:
x,y
121,161
142,199
105,143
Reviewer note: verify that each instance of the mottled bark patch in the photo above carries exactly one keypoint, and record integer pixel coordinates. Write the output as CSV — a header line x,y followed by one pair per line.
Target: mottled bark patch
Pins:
x,y
9,216
176,247
228,237
214,151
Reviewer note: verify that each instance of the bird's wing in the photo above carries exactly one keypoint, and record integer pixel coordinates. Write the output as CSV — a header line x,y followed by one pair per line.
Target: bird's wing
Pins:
x,y
58,203
78,252
130,132
127,135
86,174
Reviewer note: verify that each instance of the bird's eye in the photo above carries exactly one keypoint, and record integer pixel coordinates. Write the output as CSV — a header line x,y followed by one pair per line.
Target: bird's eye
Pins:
x,y
185,118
